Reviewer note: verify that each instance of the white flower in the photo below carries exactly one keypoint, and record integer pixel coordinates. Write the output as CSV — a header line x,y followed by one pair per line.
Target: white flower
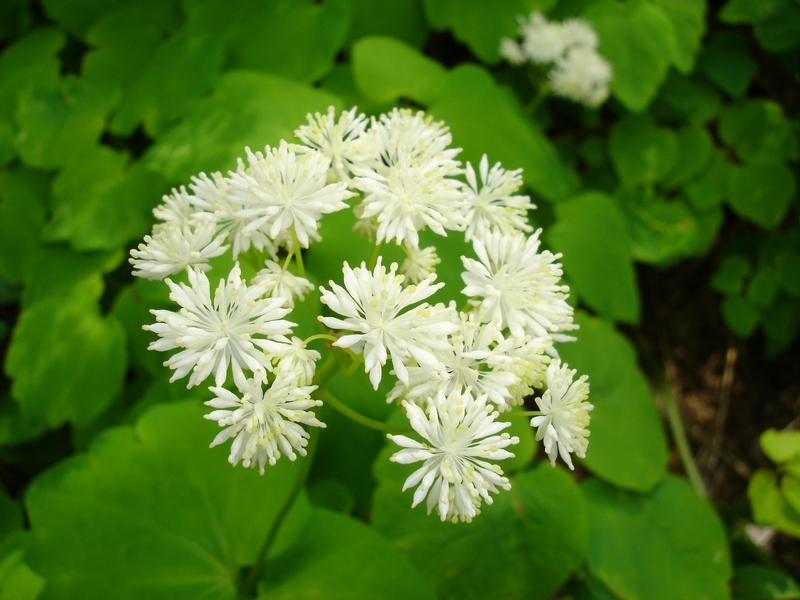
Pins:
x,y
265,422
582,75
218,333
343,142
178,207
294,360
281,283
461,433
281,191
420,263
403,133
518,285
371,302
579,33
565,414
411,197
543,41
173,247
467,364
493,205
512,51
524,357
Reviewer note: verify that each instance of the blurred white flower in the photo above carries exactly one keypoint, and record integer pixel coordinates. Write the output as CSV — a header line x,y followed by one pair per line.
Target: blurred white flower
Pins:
x,y
461,434
493,203
265,423
371,302
281,191
579,33
420,263
583,76
343,141
218,333
172,248
518,285
512,51
543,41
564,422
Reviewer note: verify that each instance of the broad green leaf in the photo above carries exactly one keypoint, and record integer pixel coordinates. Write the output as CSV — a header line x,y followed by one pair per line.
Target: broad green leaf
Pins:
x,y
763,582
777,22
30,59
740,315
15,17
57,122
730,274
787,268
748,11
642,152
77,16
758,129
481,25
689,22
152,513
591,234
780,323
769,505
98,204
23,202
685,99
659,230
790,488
669,544
639,41
780,446
727,62
178,73
245,109
709,222
15,428
707,190
763,286
336,557
539,526
17,580
760,191
694,153
49,377
10,514
627,445
401,19
483,120
296,39
386,69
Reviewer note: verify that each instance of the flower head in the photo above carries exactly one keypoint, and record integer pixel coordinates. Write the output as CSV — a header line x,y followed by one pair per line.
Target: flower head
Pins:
x,y
461,434
565,414
218,333
582,75
281,283
543,41
264,422
420,263
372,303
518,285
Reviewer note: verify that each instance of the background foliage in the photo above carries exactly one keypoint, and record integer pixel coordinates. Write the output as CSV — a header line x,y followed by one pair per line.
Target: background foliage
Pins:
x,y
109,489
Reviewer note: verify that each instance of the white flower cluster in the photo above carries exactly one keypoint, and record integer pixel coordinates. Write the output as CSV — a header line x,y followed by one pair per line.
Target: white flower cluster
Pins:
x,y
456,370
568,50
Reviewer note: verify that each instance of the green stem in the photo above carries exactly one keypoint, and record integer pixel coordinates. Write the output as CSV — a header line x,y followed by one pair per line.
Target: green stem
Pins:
x,y
522,413
348,412
681,441
320,336
542,92
248,588
298,253
373,259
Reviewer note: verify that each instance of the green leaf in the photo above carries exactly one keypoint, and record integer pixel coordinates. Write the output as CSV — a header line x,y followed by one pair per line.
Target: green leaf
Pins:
x,y
151,512
780,446
77,16
401,19
689,22
769,505
762,582
642,152
790,488
760,191
689,99
23,202
707,190
748,11
386,69
98,204
539,526
484,120
590,232
740,315
245,109
16,428
763,287
17,580
659,230
627,446
780,31
335,557
10,515
178,73
59,121
787,269
639,41
780,323
52,379
259,34
693,155
730,274
759,130
727,62
651,546
481,25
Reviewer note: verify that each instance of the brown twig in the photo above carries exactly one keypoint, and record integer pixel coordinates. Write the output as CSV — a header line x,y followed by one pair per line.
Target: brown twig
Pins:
x,y
722,409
